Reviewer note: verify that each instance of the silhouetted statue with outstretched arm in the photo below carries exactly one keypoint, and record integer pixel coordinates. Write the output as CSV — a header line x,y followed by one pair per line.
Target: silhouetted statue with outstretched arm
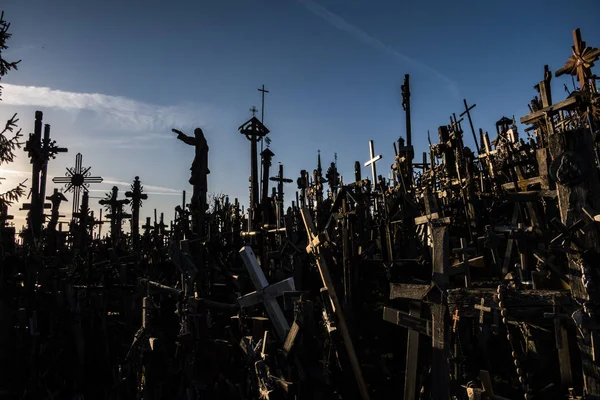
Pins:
x,y
198,177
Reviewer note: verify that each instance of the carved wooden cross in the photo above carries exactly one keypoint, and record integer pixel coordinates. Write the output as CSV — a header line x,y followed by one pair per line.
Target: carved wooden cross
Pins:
x,y
581,62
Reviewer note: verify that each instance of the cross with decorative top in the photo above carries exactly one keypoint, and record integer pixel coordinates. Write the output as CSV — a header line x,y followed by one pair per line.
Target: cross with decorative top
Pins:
x,y
581,62
76,179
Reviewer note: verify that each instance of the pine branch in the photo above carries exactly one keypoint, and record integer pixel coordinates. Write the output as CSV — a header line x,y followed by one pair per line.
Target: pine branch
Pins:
x,y
8,198
8,146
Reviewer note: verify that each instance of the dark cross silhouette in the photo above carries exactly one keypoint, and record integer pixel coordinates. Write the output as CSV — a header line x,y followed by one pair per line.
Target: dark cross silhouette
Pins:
x,y
198,180
280,181
253,110
468,114
116,215
40,150
262,111
136,196
80,230
254,130
76,179
581,62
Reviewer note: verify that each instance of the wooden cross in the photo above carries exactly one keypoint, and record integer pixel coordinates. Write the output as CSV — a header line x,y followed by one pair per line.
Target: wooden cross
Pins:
x,y
468,113
482,309
581,62
265,293
315,242
455,319
77,179
406,320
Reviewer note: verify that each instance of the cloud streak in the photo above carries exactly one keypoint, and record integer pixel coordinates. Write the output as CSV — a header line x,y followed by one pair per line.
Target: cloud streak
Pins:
x,y
152,189
343,25
115,112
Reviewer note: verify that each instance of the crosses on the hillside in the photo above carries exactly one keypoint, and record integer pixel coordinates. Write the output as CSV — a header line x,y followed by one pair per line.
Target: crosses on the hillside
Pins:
x,y
76,179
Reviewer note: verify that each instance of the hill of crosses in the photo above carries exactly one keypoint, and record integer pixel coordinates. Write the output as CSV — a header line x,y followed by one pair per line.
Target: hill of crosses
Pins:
x,y
469,273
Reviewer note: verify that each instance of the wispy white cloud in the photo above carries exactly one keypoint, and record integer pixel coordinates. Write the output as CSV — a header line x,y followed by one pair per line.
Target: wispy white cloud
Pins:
x,y
116,112
155,189
341,24
148,189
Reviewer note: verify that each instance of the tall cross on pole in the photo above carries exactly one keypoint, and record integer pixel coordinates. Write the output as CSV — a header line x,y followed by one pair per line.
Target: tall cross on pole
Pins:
x,y
262,111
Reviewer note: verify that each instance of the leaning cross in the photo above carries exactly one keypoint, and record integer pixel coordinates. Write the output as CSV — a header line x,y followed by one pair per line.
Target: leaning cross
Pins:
x,y
265,292
468,113
455,318
372,161
315,246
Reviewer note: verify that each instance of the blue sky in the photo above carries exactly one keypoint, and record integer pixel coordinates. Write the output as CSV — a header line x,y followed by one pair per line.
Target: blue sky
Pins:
x,y
113,77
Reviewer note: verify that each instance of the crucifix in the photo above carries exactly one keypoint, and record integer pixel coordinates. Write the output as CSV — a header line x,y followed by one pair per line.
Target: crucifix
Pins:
x,y
136,195
77,179
371,163
468,113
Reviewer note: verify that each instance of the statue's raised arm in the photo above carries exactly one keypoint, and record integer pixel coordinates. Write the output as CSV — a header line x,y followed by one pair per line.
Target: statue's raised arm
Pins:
x,y
185,138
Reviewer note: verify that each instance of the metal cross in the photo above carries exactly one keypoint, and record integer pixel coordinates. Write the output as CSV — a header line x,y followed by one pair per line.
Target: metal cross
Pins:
x,y
253,110
76,179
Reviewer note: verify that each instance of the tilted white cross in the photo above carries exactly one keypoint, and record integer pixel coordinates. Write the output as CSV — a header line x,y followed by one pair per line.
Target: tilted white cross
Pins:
x,y
266,293
372,162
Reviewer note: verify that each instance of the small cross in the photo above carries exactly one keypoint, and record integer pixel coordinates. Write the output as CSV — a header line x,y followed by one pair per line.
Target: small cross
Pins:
x,y
455,318
253,110
482,309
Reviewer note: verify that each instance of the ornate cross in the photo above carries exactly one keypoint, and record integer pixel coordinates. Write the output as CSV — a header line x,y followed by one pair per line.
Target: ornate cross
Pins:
x,y
581,62
76,179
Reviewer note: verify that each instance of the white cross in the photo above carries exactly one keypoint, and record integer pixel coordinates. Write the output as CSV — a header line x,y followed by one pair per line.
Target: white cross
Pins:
x,y
372,162
268,293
